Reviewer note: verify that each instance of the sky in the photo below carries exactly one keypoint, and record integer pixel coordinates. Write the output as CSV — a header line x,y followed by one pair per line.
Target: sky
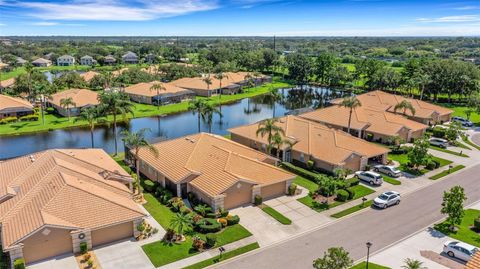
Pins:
x,y
240,18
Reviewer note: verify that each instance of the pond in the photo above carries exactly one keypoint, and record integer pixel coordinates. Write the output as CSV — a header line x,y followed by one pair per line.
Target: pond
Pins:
x,y
56,74
243,112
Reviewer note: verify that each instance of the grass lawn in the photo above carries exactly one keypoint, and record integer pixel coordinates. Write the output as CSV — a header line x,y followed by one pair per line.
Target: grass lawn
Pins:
x,y
54,121
460,112
447,172
159,212
307,184
352,209
461,154
276,215
391,180
363,265
403,160
225,256
461,145
470,143
360,191
464,232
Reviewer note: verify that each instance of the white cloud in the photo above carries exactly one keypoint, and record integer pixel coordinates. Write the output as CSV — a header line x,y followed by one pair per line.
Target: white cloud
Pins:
x,y
450,19
3,24
45,23
467,8
116,10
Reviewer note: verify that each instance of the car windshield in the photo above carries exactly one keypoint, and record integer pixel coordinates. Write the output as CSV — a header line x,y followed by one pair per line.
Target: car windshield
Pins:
x,y
383,197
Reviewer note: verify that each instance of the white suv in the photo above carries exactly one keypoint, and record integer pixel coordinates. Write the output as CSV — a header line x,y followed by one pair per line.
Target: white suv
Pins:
x,y
459,250
370,177
387,199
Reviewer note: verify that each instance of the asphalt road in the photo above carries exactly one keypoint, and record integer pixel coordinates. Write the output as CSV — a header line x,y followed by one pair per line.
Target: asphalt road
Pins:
x,y
418,210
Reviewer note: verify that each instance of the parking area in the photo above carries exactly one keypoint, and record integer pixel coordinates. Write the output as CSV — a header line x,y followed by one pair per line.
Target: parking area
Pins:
x,y
65,262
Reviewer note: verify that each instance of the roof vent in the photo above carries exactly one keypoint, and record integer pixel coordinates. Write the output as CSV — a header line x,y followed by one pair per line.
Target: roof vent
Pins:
x,y
32,158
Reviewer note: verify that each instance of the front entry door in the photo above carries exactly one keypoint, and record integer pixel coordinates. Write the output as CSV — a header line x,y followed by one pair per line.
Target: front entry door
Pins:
x,y
183,189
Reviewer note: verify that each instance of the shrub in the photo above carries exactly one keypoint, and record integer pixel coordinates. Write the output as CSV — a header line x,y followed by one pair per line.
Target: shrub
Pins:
x,y
166,197
342,195
185,210
83,247
437,164
430,165
198,243
232,220
8,120
292,189
258,200
351,193
90,263
223,221
211,215
32,117
310,164
211,239
476,223
208,225
301,172
19,264
439,132
170,233
222,213
354,181
369,137
141,227
367,167
148,185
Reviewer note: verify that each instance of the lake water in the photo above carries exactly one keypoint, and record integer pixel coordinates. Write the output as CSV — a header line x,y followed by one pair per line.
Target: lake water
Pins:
x,y
243,112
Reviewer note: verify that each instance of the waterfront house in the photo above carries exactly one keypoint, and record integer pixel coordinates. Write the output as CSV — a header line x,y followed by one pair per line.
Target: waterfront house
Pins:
x,y
130,58
81,97
109,60
143,93
88,60
325,147
20,61
218,171
201,88
53,201
66,60
41,62
14,107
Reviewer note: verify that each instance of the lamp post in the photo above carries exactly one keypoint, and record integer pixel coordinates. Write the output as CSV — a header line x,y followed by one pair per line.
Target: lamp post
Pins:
x,y
221,249
369,244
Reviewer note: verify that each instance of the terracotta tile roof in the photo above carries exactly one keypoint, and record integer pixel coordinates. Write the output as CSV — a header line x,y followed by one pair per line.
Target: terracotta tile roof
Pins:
x,y
315,139
87,76
14,103
42,61
216,163
62,188
81,97
118,72
364,118
474,263
387,101
7,83
144,89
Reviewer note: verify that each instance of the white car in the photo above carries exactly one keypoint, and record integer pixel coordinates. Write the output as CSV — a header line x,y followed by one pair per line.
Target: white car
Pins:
x,y
371,178
387,199
459,250
387,170
439,142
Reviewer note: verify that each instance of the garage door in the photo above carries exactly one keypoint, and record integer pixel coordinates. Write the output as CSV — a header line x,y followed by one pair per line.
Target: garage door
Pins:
x,y
237,195
112,234
47,243
273,190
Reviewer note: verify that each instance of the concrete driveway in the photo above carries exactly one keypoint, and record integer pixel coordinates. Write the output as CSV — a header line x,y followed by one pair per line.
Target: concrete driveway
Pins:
x,y
126,254
66,261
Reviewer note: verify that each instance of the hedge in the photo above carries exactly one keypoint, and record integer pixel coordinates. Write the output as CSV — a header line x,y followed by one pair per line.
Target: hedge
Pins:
x,y
19,264
315,177
8,120
439,132
258,200
29,118
342,195
149,185
232,220
353,181
211,239
208,225
476,223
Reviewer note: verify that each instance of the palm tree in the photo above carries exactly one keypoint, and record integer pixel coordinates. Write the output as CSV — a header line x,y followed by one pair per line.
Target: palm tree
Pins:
x,y
207,112
136,141
405,105
67,103
92,116
196,106
269,128
180,222
350,102
202,209
158,87
42,91
413,264
115,102
220,76
278,141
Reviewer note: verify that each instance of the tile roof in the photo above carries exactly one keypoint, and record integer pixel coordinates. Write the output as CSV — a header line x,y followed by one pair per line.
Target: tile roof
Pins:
x,y
216,163
42,61
87,76
144,89
62,188
387,101
474,262
7,83
198,83
315,139
364,118
81,97
14,103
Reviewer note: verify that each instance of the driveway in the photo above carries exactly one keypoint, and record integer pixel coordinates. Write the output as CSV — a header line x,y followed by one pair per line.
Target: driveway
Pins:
x,y
126,254
65,262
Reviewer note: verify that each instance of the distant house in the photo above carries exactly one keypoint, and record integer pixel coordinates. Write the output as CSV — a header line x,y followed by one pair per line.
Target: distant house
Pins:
x,y
130,58
109,60
150,58
49,56
142,93
21,61
87,60
81,97
41,62
66,60
14,107
87,76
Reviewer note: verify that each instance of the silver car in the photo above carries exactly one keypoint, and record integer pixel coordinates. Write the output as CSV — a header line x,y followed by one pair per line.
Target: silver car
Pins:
x,y
387,199
387,170
370,177
459,250
442,143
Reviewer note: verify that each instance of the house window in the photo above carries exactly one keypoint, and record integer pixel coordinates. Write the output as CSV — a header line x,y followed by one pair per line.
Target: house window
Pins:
x,y
302,157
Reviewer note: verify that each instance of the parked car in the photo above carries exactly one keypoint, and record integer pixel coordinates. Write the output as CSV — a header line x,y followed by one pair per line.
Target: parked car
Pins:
x,y
464,122
387,199
370,177
387,170
439,142
459,250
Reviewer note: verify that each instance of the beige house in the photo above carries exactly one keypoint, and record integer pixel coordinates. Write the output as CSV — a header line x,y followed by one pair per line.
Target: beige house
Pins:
x,y
14,107
52,201
41,62
368,123
143,93
425,113
81,97
220,172
327,148
66,60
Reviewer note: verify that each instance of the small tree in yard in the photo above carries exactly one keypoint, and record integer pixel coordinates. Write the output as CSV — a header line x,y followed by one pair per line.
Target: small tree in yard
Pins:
x,y
453,206
418,154
328,186
413,264
453,131
337,258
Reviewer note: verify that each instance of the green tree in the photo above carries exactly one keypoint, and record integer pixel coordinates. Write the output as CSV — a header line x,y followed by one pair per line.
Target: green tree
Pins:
x,y
181,222
327,186
396,141
208,110
92,116
300,67
220,76
452,205
351,103
269,128
196,106
202,209
404,105
136,141
453,131
114,103
208,81
413,264
43,92
67,103
158,87
324,65
334,258
418,154
278,141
